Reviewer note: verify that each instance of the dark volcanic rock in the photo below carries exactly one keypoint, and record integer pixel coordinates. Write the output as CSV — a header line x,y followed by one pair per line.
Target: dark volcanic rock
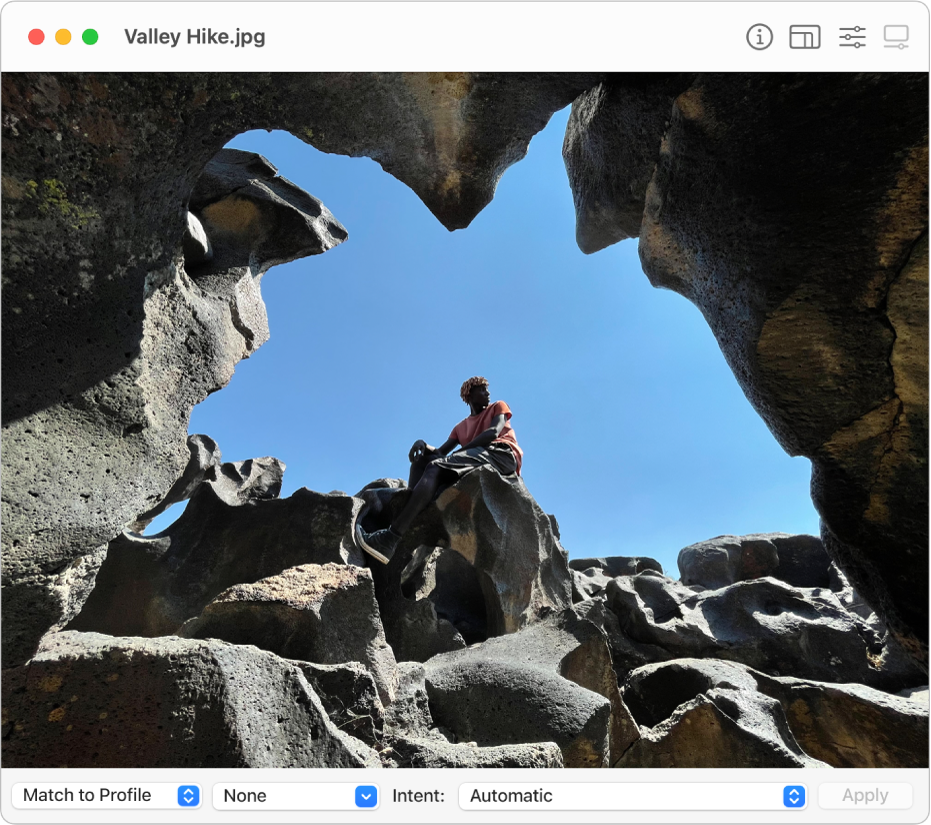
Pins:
x,y
149,586
562,645
497,527
614,566
798,560
444,578
591,576
708,713
611,147
815,287
93,701
763,623
315,613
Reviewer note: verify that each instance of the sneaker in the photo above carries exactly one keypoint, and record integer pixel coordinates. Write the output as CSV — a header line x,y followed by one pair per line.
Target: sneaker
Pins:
x,y
381,544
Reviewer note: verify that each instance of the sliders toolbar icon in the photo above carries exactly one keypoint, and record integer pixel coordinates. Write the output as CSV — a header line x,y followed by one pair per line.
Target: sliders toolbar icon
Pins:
x,y
851,37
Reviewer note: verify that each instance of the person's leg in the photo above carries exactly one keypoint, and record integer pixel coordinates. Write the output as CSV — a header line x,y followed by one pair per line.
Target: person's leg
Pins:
x,y
418,466
421,496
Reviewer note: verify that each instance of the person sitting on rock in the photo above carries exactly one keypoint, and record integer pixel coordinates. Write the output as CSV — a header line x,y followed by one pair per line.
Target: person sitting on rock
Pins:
x,y
488,441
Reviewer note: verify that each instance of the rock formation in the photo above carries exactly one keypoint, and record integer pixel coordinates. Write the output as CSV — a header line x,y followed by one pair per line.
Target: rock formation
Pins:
x,y
813,281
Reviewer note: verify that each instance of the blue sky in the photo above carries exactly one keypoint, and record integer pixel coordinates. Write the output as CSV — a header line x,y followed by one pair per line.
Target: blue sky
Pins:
x,y
635,433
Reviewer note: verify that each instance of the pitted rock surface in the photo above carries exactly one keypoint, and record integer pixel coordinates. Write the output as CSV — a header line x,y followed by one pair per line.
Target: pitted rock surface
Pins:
x,y
611,147
93,701
824,333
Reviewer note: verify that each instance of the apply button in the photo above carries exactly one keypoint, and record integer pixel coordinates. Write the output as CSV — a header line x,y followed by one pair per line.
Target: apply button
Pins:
x,y
854,796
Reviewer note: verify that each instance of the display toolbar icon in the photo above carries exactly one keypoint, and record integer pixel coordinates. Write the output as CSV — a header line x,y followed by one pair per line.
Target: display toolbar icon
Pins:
x,y
896,37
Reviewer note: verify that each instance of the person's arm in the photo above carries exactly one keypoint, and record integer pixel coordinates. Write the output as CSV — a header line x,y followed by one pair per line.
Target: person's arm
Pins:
x,y
483,439
422,448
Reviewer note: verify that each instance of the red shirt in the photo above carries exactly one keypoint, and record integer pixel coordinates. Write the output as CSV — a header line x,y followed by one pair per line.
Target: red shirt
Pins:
x,y
472,426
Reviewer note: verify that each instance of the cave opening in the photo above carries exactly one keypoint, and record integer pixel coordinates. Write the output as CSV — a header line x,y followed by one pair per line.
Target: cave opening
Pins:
x,y
621,396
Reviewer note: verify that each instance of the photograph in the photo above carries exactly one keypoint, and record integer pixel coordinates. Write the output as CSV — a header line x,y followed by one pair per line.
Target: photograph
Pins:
x,y
464,419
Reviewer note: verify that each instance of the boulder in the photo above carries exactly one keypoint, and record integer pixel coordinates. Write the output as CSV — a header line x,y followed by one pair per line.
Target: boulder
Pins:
x,y
92,701
798,560
763,623
826,335
496,703
590,576
561,645
586,584
497,527
325,614
709,713
230,533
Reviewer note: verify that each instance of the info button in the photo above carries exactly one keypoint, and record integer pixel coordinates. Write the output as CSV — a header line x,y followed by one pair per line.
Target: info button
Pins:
x,y
865,796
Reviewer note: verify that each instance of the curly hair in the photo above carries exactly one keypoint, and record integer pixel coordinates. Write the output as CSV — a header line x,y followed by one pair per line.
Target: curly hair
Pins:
x,y
467,386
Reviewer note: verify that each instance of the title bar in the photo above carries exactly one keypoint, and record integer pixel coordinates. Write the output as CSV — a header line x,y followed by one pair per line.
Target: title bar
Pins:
x,y
456,36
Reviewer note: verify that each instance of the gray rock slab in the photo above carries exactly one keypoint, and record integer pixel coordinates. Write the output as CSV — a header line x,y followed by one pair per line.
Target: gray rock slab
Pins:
x,y
316,613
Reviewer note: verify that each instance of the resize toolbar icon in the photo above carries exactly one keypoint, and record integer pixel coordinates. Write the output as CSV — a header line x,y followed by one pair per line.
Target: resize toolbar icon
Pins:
x,y
853,36
896,37
805,37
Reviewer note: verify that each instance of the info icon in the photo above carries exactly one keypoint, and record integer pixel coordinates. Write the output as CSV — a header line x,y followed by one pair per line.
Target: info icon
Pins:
x,y
189,796
759,36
